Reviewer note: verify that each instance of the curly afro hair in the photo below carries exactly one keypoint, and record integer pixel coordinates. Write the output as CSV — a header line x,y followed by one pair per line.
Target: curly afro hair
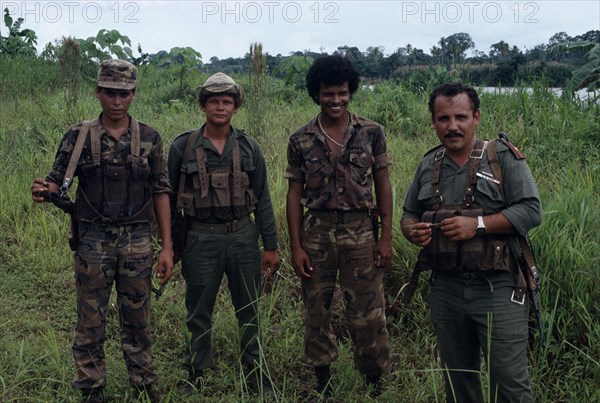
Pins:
x,y
331,70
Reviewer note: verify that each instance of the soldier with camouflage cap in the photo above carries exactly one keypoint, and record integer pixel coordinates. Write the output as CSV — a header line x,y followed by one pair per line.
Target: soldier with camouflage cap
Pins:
x,y
334,162
220,176
113,220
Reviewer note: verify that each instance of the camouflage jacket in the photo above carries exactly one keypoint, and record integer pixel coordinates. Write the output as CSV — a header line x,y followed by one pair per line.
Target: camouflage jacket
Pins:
x,y
113,151
342,184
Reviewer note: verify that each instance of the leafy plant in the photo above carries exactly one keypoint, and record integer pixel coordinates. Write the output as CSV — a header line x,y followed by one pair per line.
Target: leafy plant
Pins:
x,y
18,42
181,62
294,69
105,45
587,75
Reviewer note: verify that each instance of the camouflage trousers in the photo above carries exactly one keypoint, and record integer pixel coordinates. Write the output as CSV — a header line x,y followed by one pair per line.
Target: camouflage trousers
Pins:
x,y
122,255
346,249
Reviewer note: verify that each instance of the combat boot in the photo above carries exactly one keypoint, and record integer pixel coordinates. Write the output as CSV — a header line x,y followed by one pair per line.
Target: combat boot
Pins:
x,y
258,381
374,384
323,374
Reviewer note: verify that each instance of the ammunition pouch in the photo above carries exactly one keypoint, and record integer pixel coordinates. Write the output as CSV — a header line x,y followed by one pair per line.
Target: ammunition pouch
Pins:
x,y
488,252
115,194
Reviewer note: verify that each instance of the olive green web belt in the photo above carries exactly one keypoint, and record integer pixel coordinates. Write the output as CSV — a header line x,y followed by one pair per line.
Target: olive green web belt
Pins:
x,y
218,228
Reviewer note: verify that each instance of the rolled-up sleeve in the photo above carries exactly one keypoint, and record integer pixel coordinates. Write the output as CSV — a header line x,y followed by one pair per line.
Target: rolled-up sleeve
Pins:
x,y
293,171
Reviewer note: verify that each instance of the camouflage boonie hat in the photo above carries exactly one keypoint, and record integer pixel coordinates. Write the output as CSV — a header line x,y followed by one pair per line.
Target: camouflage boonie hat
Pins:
x,y
117,74
220,83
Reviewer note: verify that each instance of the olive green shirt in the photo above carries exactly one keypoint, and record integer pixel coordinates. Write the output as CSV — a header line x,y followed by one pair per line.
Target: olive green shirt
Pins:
x,y
522,206
253,163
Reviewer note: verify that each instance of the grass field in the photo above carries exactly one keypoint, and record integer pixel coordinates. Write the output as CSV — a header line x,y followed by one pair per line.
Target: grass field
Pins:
x,y
561,139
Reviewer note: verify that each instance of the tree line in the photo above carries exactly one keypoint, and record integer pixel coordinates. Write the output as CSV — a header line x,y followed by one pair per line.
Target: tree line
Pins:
x,y
557,61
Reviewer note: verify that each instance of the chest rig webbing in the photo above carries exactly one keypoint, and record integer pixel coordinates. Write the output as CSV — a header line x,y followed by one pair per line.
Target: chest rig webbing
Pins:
x,y
109,192
488,252
222,193
527,277
474,160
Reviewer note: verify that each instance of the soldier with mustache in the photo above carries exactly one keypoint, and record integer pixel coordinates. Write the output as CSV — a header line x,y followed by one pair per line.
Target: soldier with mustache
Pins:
x,y
468,222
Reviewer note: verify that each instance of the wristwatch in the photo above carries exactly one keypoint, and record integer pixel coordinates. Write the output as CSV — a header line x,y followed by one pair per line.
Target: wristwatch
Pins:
x,y
480,226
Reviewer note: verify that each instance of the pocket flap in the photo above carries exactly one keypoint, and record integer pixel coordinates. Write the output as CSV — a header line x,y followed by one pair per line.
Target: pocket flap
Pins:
x,y
219,180
185,200
115,172
362,160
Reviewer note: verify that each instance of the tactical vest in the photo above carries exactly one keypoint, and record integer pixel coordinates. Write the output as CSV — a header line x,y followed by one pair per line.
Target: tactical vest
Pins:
x,y
487,252
215,193
114,193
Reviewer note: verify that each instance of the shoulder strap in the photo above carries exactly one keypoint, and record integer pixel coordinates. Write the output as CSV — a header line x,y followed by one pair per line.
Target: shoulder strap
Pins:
x,y
495,165
474,160
511,146
75,154
238,196
186,155
135,140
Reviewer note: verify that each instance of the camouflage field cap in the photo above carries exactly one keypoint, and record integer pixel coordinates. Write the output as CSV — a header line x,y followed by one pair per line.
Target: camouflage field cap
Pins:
x,y
117,74
220,83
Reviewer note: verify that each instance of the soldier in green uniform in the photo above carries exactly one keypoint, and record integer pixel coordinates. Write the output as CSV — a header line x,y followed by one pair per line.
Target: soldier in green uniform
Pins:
x,y
333,163
467,225
123,188
220,178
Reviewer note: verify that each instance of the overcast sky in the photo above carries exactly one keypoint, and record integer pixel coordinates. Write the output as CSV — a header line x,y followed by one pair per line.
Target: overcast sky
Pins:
x,y
228,28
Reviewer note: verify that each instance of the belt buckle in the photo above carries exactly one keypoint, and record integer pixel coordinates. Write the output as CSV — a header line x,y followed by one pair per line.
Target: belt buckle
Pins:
x,y
515,300
229,226
340,216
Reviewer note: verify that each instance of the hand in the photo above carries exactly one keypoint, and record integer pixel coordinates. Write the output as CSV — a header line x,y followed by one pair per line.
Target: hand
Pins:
x,y
164,267
459,228
39,188
383,253
270,263
301,263
418,233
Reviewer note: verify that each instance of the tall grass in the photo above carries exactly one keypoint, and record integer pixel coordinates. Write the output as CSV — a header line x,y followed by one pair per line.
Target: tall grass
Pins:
x,y
37,293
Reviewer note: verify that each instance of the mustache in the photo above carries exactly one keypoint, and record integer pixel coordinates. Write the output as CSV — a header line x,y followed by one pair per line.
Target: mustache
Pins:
x,y
453,134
